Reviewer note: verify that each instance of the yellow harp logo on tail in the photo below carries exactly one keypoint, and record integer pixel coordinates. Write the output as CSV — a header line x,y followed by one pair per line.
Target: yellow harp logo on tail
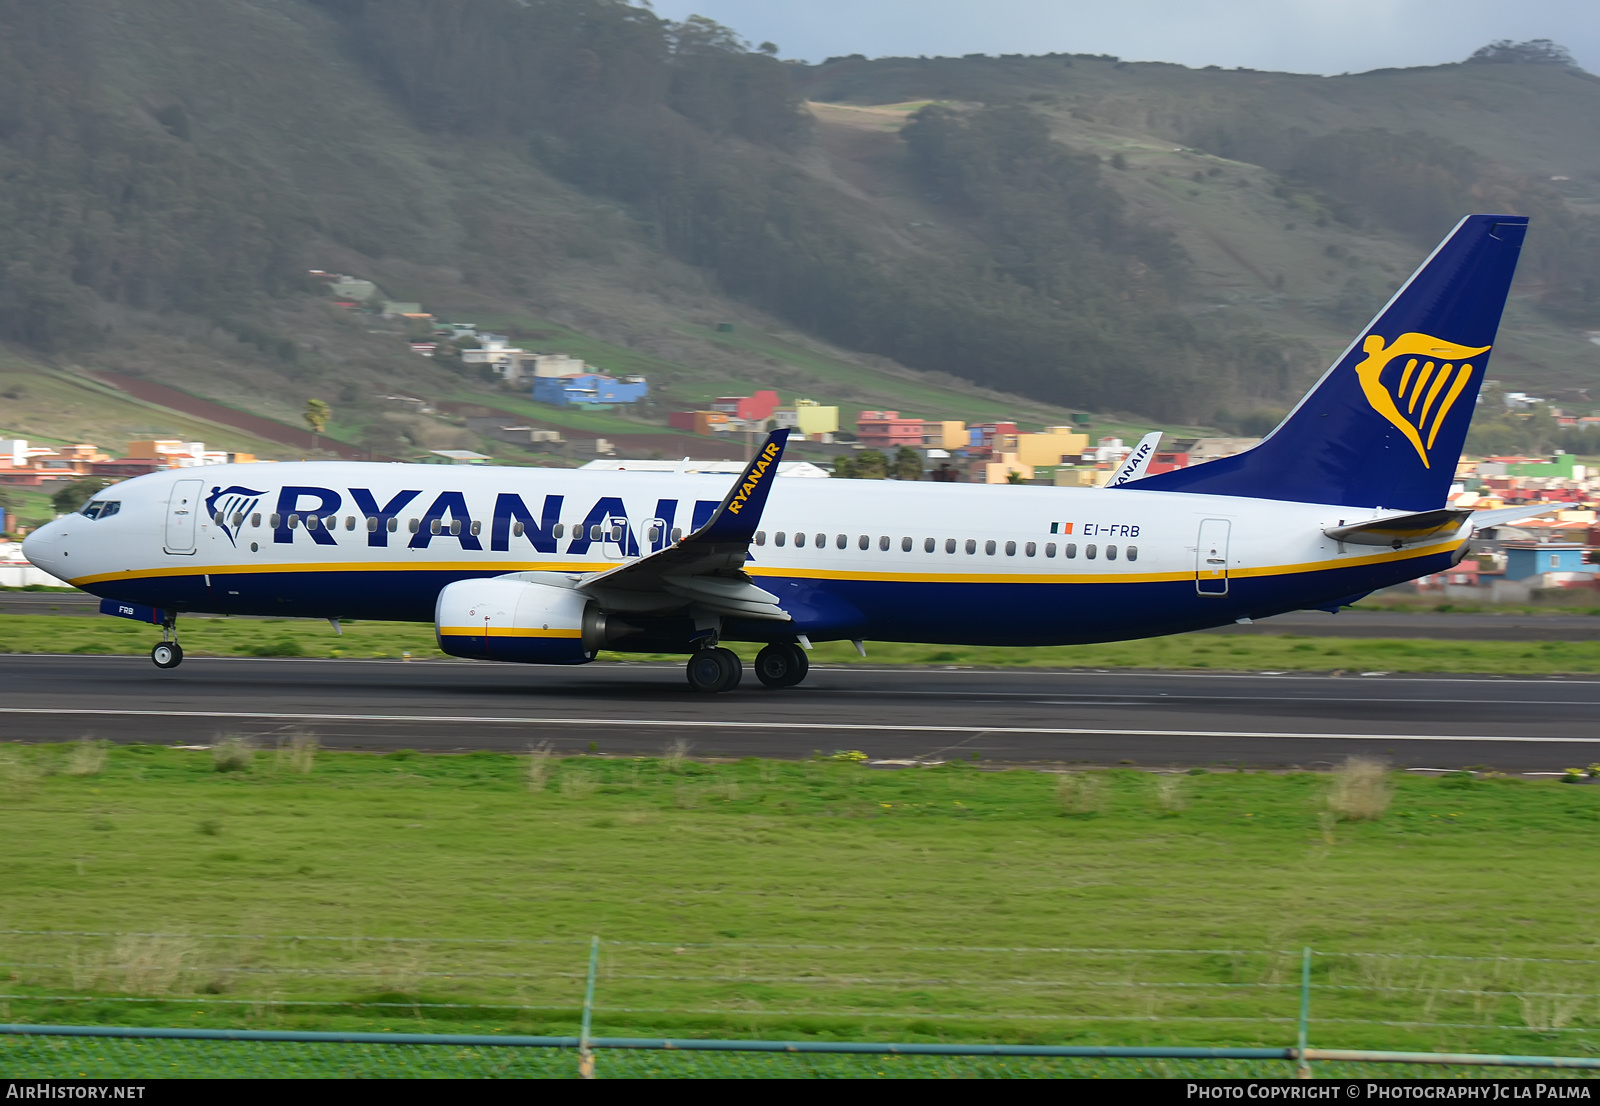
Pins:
x,y
1428,375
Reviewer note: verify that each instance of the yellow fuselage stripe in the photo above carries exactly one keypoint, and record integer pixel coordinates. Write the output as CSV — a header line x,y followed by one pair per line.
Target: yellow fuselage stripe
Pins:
x,y
1110,576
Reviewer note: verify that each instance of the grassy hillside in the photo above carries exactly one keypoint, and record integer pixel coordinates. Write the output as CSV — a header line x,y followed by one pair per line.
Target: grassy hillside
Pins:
x,y
964,238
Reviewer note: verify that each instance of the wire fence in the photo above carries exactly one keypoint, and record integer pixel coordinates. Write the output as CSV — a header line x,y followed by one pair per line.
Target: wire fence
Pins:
x,y
1220,1011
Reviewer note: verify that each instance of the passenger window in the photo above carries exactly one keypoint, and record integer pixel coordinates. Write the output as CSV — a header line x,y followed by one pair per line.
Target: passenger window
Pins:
x,y
1089,552
394,524
477,528
677,532
1111,552
594,531
517,529
761,536
312,522
350,522
1049,549
949,545
255,519
372,524
988,547
1132,552
883,543
619,531
864,542
1011,549
1070,550
414,525
436,526
294,522
799,540
1030,549
842,541
928,545
821,541
778,538
216,517
905,545
972,546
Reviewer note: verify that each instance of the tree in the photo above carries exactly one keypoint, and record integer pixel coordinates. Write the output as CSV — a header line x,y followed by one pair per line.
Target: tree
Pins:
x,y
1015,477
872,465
317,414
77,493
907,464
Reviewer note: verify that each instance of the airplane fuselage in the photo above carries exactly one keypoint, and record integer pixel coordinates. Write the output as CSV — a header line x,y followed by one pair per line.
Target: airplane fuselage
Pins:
x,y
881,560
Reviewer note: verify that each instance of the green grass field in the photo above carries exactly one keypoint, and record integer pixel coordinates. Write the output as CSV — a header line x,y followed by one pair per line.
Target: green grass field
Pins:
x,y
290,888
244,637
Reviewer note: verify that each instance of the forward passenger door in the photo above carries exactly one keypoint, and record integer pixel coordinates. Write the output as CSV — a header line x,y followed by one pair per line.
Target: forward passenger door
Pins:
x,y
183,513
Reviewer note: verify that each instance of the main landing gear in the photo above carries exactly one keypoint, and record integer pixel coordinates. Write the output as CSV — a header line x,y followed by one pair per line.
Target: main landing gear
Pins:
x,y
711,671
167,652
782,665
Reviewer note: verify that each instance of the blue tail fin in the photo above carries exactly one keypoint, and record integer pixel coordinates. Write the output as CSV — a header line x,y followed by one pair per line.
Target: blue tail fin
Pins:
x,y
1385,425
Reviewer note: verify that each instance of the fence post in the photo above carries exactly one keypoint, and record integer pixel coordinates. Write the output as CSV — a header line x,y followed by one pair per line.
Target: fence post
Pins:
x,y
1304,1071
585,1053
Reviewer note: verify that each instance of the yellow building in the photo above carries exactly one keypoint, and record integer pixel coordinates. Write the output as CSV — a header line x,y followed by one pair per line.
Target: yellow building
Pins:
x,y
999,472
946,435
813,418
1051,446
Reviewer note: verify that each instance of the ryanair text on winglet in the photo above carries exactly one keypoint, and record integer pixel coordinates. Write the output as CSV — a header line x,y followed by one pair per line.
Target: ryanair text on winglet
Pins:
x,y
757,472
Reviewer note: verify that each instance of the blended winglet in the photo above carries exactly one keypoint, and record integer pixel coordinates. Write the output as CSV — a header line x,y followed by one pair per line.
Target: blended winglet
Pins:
x,y
739,513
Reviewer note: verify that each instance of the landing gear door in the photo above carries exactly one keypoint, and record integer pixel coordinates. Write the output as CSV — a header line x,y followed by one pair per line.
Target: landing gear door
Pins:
x,y
183,516
1211,558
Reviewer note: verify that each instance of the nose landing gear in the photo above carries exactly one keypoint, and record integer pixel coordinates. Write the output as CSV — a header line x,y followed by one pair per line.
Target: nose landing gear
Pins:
x,y
167,652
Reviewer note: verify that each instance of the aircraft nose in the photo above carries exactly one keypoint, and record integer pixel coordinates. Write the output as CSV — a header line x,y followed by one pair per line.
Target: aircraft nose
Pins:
x,y
40,547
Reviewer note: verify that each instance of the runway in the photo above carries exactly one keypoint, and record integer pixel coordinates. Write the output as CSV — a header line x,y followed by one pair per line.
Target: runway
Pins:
x,y
905,715
1547,626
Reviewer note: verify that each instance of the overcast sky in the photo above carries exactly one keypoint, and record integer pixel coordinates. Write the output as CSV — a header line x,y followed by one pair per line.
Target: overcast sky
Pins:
x,y
1304,36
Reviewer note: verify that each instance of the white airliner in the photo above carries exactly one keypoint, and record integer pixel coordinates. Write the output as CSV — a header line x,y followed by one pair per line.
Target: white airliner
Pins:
x,y
549,566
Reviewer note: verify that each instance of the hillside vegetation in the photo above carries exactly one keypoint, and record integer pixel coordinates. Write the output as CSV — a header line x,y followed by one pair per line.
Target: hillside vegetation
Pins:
x,y
1162,243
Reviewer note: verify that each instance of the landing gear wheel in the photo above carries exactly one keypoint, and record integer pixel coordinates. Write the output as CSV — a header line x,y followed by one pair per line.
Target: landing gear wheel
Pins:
x,y
781,665
167,654
714,670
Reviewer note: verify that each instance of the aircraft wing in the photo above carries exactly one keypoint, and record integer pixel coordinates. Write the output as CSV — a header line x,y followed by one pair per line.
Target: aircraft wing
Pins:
x,y
706,568
1134,464
1417,527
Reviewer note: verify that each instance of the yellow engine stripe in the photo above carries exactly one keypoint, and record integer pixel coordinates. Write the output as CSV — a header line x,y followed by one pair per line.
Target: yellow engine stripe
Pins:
x,y
505,631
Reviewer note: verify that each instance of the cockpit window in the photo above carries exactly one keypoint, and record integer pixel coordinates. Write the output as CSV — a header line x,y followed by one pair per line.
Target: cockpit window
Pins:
x,y
102,508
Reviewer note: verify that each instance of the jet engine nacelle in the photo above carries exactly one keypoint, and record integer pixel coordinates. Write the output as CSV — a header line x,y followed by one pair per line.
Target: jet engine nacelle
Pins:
x,y
502,619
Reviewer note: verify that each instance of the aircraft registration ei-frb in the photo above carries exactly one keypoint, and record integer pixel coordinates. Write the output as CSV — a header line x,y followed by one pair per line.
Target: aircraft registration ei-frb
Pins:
x,y
546,566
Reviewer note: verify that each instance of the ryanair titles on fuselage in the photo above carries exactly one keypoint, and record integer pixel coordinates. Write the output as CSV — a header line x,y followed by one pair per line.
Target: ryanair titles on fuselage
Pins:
x,y
316,510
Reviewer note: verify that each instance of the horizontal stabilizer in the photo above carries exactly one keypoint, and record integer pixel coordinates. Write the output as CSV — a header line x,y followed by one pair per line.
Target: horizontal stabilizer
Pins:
x,y
1420,527
1397,531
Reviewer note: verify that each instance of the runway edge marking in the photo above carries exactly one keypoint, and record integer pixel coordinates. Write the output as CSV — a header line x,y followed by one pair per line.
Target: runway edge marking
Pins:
x,y
852,727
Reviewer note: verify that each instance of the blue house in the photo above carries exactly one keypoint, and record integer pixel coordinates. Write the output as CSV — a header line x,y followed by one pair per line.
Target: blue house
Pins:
x,y
589,389
1524,559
